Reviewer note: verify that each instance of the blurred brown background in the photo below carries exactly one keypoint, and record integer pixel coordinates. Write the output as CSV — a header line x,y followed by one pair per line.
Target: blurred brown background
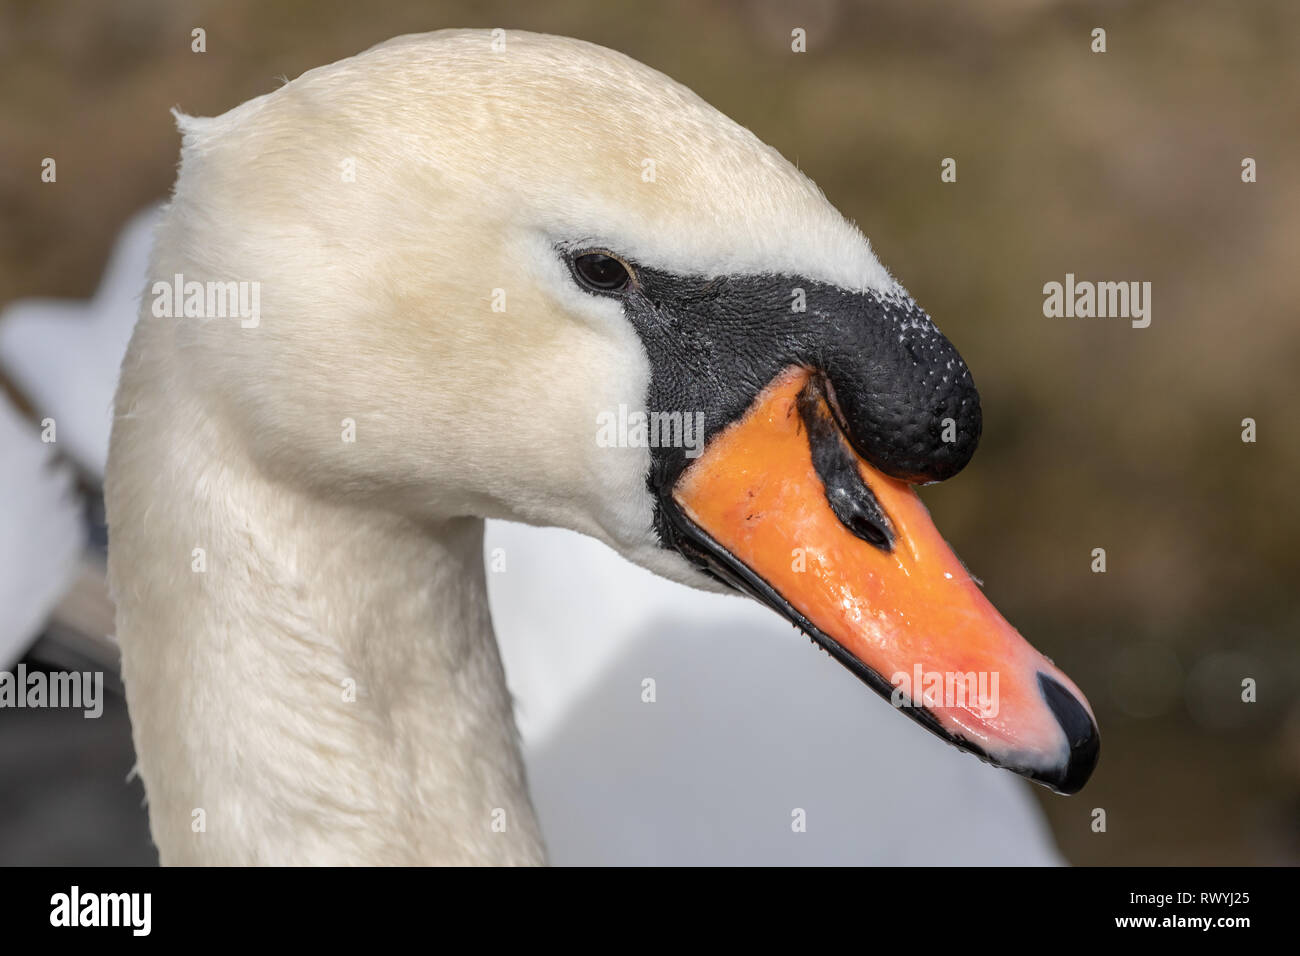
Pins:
x,y
1117,166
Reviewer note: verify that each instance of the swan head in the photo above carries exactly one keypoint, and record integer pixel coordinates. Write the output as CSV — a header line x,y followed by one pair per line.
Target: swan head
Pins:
x,y
525,277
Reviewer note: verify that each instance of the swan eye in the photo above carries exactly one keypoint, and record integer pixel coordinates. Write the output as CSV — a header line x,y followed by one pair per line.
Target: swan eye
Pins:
x,y
601,273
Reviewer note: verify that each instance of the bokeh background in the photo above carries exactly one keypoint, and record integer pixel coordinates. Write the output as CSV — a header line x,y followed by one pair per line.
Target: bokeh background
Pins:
x,y
1117,166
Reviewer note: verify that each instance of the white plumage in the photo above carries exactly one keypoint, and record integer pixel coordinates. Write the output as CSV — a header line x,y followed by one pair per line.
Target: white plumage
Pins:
x,y
235,686
695,778
41,536
64,355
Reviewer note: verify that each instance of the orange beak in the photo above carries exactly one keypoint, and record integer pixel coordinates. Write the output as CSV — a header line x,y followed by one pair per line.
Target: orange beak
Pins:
x,y
781,506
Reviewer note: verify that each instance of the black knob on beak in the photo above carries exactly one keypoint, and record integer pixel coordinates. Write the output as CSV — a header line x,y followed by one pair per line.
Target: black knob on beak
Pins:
x,y
906,398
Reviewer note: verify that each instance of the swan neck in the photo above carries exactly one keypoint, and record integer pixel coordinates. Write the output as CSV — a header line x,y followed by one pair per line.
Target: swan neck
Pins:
x,y
309,682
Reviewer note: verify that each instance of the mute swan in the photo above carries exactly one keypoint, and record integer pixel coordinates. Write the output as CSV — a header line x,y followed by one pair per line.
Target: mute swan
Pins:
x,y
709,774
468,253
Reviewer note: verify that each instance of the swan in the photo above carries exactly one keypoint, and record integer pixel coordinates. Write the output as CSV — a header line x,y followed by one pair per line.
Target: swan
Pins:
x,y
696,783
471,249
614,780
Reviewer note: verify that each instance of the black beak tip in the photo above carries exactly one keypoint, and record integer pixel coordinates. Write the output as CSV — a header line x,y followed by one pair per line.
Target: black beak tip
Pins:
x,y
1081,732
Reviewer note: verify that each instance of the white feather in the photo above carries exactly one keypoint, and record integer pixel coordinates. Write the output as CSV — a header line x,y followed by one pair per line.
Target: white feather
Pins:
x,y
261,564
41,532
63,355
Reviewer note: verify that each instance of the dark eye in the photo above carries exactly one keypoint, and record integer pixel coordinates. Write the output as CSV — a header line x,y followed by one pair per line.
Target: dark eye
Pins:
x,y
601,273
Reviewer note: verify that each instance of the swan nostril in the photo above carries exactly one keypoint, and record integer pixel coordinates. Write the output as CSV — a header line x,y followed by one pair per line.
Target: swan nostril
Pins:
x,y
849,496
870,531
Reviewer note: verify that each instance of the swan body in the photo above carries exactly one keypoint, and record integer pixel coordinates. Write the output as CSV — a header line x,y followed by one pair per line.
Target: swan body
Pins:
x,y
296,509
711,771
64,355
703,779
42,534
